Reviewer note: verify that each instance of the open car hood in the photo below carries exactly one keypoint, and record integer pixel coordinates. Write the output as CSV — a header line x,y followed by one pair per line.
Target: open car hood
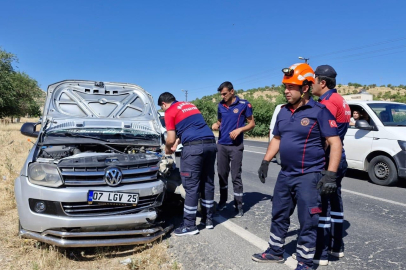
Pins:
x,y
78,103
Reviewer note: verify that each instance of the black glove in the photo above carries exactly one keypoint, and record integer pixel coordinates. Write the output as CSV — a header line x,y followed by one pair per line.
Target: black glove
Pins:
x,y
263,170
327,185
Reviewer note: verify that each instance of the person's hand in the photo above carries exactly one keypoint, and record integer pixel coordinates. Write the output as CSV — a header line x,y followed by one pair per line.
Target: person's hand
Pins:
x,y
215,126
327,185
263,170
175,145
234,134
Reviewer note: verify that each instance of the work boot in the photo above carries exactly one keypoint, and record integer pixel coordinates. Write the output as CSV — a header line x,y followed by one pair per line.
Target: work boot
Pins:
x,y
267,257
184,230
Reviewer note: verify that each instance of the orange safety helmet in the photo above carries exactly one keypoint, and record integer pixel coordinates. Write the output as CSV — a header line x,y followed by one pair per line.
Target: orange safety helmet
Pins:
x,y
298,74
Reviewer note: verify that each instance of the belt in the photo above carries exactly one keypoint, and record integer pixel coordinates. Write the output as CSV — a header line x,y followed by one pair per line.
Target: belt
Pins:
x,y
199,142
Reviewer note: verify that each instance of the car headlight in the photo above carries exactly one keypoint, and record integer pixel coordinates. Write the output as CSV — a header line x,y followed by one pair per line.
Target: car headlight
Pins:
x,y
402,145
44,175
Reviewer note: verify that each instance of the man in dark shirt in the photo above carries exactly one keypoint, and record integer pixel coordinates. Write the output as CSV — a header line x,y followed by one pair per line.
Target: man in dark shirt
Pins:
x,y
301,130
184,120
232,114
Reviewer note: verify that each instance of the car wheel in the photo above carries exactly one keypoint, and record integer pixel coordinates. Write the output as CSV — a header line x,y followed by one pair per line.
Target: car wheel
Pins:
x,y
382,171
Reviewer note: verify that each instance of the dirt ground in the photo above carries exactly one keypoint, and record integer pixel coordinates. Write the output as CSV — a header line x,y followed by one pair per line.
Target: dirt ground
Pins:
x,y
17,253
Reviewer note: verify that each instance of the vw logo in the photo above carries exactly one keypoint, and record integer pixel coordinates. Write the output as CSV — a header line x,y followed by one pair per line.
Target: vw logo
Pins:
x,y
113,176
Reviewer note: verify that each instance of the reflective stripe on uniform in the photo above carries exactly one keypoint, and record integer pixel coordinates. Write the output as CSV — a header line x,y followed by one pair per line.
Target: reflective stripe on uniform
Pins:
x,y
337,213
225,187
305,248
324,218
238,194
189,212
324,225
207,205
277,238
335,220
308,256
274,243
191,208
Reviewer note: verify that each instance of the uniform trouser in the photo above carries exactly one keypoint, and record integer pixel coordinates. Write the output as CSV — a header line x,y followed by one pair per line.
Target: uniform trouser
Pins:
x,y
197,173
289,191
330,229
230,154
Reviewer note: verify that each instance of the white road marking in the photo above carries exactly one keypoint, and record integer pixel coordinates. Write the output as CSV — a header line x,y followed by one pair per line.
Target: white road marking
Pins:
x,y
252,238
263,147
373,197
254,152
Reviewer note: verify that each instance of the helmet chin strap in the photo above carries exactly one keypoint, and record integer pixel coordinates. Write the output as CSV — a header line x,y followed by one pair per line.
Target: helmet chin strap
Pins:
x,y
301,97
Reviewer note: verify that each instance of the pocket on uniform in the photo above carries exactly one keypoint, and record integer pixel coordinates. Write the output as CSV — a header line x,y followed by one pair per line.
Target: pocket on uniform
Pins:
x,y
195,151
314,212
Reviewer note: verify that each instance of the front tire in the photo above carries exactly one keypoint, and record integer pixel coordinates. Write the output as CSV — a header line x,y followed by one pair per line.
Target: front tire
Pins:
x,y
382,171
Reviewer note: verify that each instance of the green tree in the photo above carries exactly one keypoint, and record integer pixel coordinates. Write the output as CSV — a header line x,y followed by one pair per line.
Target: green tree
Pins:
x,y
7,98
18,91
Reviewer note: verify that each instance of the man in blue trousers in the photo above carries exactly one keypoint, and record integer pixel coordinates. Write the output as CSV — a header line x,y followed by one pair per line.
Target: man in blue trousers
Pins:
x,y
302,129
184,120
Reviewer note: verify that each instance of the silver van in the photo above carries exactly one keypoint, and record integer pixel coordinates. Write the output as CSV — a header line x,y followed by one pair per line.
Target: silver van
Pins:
x,y
92,177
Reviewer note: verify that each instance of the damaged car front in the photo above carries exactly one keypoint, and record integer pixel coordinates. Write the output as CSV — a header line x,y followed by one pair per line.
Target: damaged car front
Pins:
x,y
91,178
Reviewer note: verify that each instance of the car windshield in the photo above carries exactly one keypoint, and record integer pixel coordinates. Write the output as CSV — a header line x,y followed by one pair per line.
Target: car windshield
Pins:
x,y
108,134
390,114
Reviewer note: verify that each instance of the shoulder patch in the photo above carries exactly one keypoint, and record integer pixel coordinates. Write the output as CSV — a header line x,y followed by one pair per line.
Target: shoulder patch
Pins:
x,y
243,102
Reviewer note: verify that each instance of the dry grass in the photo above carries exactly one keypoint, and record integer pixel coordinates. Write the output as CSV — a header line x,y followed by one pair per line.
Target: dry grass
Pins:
x,y
16,253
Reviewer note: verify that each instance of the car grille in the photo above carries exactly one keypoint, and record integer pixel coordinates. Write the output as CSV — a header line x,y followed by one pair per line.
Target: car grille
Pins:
x,y
84,209
94,176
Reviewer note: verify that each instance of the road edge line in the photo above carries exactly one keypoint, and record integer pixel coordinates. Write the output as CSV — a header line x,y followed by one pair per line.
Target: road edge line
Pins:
x,y
373,197
251,238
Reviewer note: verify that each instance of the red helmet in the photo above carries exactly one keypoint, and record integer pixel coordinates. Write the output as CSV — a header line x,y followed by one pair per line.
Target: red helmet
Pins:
x,y
298,74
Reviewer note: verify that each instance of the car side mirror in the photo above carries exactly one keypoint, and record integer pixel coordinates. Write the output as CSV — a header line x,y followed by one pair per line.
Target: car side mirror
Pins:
x,y
28,129
363,124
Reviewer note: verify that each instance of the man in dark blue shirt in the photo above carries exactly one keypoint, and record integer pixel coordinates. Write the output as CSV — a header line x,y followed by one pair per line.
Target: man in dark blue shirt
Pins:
x,y
232,114
301,131
184,120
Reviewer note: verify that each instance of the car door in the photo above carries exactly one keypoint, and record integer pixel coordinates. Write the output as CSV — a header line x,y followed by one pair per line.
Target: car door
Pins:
x,y
357,144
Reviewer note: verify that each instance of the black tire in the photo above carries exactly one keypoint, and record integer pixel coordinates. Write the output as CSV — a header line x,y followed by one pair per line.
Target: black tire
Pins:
x,y
382,171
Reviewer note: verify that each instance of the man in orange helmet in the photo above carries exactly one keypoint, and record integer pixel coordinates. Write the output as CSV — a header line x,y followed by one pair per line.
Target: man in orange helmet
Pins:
x,y
301,131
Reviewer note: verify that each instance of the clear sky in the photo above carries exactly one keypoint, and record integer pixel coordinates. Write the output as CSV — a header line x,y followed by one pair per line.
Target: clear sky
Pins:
x,y
196,45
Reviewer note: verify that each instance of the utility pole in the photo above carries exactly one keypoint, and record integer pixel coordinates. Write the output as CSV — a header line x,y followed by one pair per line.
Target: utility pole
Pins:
x,y
305,59
185,93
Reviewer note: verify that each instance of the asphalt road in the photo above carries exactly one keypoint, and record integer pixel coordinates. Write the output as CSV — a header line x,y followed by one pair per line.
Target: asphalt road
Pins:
x,y
375,230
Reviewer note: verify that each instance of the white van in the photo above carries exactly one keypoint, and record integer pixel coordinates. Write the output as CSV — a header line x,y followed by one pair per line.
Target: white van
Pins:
x,y
377,142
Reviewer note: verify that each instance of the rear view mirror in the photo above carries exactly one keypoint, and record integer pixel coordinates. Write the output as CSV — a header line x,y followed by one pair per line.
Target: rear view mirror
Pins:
x,y
363,124
28,129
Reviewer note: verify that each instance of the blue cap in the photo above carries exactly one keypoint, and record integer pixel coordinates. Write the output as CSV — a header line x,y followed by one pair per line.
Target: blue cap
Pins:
x,y
326,71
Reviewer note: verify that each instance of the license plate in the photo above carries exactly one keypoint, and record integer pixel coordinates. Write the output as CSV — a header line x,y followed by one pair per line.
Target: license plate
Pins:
x,y
105,197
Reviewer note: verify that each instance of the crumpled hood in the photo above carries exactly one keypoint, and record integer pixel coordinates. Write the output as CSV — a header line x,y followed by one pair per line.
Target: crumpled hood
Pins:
x,y
77,103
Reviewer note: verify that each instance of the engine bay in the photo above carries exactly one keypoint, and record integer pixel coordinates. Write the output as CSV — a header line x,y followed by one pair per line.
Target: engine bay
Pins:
x,y
58,152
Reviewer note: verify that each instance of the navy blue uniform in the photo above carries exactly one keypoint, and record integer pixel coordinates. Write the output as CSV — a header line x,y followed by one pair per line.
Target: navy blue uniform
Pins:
x,y
231,151
197,159
302,133
330,231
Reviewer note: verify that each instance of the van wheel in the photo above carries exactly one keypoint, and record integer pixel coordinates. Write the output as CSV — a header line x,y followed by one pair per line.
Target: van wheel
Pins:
x,y
382,171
